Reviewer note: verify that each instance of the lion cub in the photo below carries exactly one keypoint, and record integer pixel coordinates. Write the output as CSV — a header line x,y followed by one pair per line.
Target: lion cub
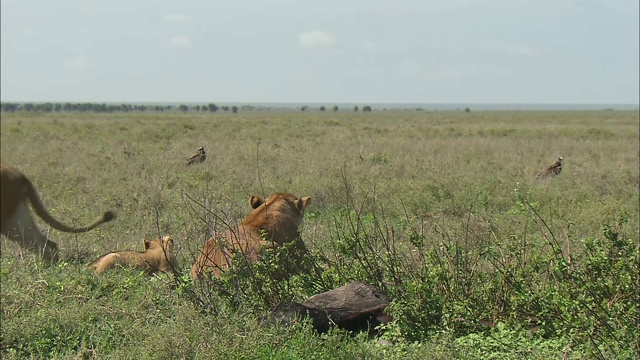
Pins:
x,y
157,256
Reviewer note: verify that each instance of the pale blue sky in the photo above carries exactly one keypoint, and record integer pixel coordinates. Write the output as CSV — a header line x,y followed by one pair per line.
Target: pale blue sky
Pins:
x,y
333,51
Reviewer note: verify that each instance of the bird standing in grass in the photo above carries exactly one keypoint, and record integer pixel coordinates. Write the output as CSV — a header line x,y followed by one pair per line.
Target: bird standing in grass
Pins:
x,y
198,157
553,170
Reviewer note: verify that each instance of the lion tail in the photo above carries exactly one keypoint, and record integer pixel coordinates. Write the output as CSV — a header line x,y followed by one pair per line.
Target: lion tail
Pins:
x,y
51,221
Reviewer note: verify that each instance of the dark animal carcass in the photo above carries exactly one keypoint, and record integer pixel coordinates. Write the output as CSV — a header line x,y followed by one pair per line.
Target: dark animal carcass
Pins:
x,y
355,307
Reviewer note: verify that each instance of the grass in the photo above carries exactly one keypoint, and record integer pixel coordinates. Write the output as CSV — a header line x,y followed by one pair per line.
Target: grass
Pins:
x,y
440,209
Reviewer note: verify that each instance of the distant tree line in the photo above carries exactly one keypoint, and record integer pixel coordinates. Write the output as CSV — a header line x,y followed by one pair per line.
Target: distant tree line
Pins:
x,y
365,108
114,108
111,108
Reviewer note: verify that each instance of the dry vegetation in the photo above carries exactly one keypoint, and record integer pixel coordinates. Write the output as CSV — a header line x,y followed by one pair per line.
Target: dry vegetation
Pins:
x,y
446,187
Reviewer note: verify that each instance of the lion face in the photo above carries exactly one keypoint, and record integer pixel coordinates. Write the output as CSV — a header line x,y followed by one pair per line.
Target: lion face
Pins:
x,y
166,243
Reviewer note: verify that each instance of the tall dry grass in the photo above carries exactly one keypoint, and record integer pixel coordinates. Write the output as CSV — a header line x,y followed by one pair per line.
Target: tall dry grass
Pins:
x,y
448,179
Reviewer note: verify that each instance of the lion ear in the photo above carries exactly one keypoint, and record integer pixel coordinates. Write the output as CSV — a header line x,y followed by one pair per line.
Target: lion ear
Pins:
x,y
256,201
303,202
167,239
147,244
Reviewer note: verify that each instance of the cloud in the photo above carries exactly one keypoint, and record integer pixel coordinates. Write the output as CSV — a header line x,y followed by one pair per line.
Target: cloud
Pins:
x,y
177,17
464,70
410,67
316,39
588,3
181,41
512,50
79,63
368,45
521,50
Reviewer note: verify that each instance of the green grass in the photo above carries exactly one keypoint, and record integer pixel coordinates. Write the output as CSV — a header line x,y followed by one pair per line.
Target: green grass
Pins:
x,y
440,209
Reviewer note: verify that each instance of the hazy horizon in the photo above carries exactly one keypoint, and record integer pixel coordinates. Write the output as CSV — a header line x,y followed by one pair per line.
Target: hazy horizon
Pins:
x,y
375,106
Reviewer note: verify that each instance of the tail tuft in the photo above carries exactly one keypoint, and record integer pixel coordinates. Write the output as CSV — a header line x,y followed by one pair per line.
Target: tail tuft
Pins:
x,y
108,216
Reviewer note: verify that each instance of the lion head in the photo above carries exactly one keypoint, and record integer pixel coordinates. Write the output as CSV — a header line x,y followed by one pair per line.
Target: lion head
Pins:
x,y
272,222
157,256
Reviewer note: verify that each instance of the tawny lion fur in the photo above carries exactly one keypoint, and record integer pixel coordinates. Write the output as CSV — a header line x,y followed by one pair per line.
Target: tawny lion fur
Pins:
x,y
157,256
16,221
272,222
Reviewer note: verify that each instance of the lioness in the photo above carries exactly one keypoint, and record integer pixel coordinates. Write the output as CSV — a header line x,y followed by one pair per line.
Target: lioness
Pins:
x,y
273,222
157,256
16,221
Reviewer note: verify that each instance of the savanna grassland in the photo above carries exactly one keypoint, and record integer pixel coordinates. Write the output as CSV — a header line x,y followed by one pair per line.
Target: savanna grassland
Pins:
x,y
441,210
